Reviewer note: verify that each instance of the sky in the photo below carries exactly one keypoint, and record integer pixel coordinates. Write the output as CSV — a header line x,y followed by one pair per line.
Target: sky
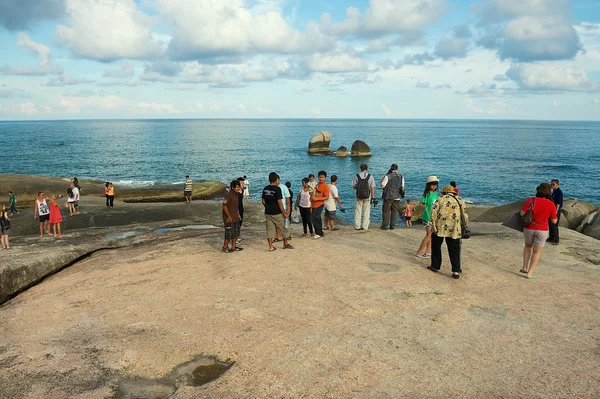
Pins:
x,y
429,59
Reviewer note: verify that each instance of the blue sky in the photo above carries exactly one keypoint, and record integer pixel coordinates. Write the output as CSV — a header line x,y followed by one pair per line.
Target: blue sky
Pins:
x,y
487,59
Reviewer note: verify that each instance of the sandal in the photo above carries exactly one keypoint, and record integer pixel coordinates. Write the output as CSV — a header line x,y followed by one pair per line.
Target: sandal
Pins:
x,y
523,271
288,246
236,249
272,249
277,240
225,249
455,275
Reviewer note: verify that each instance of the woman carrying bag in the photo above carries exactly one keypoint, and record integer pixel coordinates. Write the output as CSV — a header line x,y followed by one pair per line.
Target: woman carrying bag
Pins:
x,y
449,221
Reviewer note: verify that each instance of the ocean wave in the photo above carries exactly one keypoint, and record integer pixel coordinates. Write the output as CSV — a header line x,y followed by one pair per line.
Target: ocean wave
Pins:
x,y
134,183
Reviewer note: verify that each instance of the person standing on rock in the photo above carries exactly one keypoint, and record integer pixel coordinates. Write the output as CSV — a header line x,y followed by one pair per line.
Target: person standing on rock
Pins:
x,y
246,188
272,200
364,184
12,203
536,232
303,202
446,223
393,191
4,228
330,205
41,211
55,217
241,206
231,217
111,195
187,190
557,198
430,194
321,195
75,191
287,202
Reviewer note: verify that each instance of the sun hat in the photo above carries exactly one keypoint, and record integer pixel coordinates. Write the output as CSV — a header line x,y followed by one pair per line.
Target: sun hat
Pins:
x,y
544,188
448,189
432,179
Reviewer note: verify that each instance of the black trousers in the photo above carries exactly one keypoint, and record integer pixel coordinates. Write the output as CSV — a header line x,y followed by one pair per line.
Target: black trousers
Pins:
x,y
389,212
317,222
305,215
553,229
453,251
107,201
110,199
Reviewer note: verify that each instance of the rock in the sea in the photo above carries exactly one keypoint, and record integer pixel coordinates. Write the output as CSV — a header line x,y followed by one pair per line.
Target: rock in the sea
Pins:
x,y
574,211
319,144
591,225
341,152
360,149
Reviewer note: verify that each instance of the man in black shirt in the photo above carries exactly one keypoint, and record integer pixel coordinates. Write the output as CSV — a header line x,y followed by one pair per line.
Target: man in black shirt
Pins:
x,y
241,204
274,213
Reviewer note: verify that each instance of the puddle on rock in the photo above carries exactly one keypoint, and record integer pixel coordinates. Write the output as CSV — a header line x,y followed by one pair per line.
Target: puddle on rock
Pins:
x,y
200,371
122,235
182,228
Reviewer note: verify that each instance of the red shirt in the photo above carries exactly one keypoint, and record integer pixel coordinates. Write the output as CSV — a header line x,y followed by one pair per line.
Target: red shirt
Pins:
x,y
322,190
543,209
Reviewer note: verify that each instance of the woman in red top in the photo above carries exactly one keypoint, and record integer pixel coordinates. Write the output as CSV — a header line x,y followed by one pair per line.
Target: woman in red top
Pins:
x,y
55,217
536,232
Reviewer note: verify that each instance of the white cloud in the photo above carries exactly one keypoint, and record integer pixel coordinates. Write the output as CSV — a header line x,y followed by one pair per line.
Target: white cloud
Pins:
x,y
200,107
262,110
125,83
596,101
336,62
386,110
39,49
316,111
126,71
547,76
28,108
472,107
384,17
107,30
242,109
206,29
66,80
555,104
157,108
91,105
214,108
43,52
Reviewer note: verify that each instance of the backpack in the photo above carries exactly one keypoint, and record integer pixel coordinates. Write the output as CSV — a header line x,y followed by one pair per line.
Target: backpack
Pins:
x,y
363,191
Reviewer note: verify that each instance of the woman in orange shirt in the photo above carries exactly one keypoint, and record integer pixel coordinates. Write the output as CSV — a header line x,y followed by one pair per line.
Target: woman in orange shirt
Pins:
x,y
110,195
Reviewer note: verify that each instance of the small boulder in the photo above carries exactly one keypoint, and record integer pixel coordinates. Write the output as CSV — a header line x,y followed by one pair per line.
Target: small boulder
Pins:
x,y
588,220
319,144
360,149
341,152
574,211
592,227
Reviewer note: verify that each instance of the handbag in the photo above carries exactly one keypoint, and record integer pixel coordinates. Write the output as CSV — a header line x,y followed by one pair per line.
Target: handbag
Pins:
x,y
466,233
527,218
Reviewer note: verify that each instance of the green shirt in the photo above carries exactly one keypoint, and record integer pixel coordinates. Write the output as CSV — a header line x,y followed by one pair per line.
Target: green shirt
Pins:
x,y
428,200
11,200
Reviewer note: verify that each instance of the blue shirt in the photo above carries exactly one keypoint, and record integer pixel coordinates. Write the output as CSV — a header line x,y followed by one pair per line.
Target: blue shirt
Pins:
x,y
285,192
557,196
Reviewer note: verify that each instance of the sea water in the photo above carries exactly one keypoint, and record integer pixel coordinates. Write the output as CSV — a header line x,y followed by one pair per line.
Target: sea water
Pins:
x,y
492,162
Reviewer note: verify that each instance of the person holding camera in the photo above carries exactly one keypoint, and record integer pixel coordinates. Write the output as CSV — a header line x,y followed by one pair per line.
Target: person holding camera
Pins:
x,y
364,184
393,191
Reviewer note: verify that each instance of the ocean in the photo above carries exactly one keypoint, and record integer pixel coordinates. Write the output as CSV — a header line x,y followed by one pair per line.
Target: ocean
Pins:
x,y
493,162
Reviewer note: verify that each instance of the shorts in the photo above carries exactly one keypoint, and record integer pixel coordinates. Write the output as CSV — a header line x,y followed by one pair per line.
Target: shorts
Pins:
x,y
44,218
330,214
232,230
187,193
407,218
76,204
5,232
276,220
427,223
535,237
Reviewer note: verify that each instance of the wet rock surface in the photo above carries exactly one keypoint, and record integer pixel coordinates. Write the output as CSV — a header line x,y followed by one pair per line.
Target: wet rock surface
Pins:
x,y
360,149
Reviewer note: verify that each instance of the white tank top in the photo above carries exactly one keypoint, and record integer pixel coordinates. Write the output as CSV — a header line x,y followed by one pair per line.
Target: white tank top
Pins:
x,y
43,208
304,199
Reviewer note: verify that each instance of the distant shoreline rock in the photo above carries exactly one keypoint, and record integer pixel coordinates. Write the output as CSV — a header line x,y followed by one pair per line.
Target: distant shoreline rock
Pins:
x,y
319,145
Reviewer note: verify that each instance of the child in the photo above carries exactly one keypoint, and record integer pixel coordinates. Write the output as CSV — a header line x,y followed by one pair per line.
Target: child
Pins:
x,y
408,211
11,202
4,228
312,183
70,201
55,216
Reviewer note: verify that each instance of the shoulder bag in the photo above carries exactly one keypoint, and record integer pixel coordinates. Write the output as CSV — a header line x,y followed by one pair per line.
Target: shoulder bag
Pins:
x,y
527,218
466,233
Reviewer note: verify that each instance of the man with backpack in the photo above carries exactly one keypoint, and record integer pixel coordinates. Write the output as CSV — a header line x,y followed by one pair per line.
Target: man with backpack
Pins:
x,y
364,184
393,192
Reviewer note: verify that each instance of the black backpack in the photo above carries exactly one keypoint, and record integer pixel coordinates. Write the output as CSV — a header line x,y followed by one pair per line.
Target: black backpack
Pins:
x,y
363,191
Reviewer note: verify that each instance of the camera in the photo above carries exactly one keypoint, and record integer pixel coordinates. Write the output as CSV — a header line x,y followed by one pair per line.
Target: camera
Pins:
x,y
374,201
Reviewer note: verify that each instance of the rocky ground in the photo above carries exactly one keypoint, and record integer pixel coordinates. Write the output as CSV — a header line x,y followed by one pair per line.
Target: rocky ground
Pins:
x,y
354,314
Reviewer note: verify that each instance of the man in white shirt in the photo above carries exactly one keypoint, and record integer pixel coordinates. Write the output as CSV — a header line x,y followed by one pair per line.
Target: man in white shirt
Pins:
x,y
246,188
330,207
75,198
364,184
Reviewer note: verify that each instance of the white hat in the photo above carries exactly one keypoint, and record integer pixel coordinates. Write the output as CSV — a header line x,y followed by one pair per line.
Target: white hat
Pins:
x,y
432,179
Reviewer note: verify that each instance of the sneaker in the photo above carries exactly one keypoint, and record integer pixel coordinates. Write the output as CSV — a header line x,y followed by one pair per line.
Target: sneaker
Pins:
x,y
316,236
